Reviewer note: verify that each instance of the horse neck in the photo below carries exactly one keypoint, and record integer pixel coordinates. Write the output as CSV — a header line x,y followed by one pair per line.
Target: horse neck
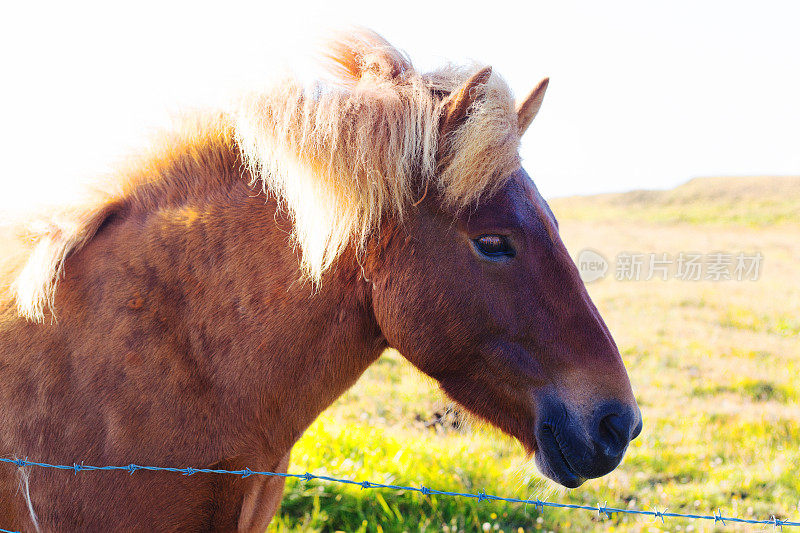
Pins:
x,y
297,346
216,285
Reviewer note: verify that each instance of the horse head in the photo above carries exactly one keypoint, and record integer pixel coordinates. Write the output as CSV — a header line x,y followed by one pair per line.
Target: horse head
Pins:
x,y
486,300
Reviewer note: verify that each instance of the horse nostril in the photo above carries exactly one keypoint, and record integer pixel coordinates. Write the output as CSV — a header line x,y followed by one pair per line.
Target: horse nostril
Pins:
x,y
615,432
637,430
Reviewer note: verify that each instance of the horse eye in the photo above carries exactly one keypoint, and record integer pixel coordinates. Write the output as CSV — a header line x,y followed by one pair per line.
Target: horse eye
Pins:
x,y
494,246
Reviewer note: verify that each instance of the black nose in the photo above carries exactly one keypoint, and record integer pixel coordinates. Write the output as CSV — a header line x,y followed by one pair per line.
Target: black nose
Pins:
x,y
574,448
618,425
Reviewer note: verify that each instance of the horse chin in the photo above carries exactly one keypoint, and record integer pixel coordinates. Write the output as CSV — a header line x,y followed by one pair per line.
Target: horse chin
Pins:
x,y
551,461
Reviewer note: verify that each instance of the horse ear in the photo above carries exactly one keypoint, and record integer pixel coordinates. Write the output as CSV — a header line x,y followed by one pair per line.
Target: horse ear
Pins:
x,y
526,111
455,106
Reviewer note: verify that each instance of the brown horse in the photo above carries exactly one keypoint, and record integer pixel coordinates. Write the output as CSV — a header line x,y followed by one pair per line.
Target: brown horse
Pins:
x,y
243,276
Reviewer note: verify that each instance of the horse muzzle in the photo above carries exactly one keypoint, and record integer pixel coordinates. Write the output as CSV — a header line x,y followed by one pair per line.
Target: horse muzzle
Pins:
x,y
570,451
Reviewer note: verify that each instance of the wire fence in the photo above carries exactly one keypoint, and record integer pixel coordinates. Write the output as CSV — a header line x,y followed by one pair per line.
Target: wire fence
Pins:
x,y
717,517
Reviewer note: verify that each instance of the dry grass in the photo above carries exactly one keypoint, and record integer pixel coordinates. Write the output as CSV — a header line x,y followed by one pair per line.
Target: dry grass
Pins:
x,y
751,201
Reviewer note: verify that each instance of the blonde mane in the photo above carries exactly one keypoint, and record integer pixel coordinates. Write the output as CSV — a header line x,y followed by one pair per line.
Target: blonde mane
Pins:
x,y
340,156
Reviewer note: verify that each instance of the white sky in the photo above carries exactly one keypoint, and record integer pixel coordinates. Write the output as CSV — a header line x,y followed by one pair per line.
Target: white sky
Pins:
x,y
642,94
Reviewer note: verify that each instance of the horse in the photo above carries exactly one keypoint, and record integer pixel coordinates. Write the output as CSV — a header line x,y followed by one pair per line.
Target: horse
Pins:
x,y
224,288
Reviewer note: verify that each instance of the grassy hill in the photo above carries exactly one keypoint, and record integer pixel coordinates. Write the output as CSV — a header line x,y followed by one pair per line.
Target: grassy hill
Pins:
x,y
714,365
750,201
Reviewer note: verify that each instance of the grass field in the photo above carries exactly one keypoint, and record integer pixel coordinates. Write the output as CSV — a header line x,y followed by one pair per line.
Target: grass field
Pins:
x,y
714,365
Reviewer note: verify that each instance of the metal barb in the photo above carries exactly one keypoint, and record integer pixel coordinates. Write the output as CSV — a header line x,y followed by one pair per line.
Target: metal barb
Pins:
x,y
659,514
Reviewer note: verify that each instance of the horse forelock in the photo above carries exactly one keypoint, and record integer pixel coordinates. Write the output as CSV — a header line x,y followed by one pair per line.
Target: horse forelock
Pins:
x,y
343,154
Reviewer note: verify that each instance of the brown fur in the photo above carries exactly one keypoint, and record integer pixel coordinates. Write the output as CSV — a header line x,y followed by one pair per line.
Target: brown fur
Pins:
x,y
184,330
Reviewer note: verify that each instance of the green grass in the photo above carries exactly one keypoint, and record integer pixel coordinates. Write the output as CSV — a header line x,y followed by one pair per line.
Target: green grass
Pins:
x,y
755,390
714,366
739,317
453,463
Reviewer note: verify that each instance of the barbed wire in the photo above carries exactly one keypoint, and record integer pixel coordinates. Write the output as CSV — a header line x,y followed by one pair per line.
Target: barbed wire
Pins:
x,y
717,517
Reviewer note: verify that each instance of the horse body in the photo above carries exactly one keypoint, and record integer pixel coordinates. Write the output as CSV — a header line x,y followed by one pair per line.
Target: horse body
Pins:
x,y
186,330
176,343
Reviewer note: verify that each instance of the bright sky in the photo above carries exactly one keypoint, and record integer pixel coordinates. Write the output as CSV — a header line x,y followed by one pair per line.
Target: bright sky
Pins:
x,y
642,94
